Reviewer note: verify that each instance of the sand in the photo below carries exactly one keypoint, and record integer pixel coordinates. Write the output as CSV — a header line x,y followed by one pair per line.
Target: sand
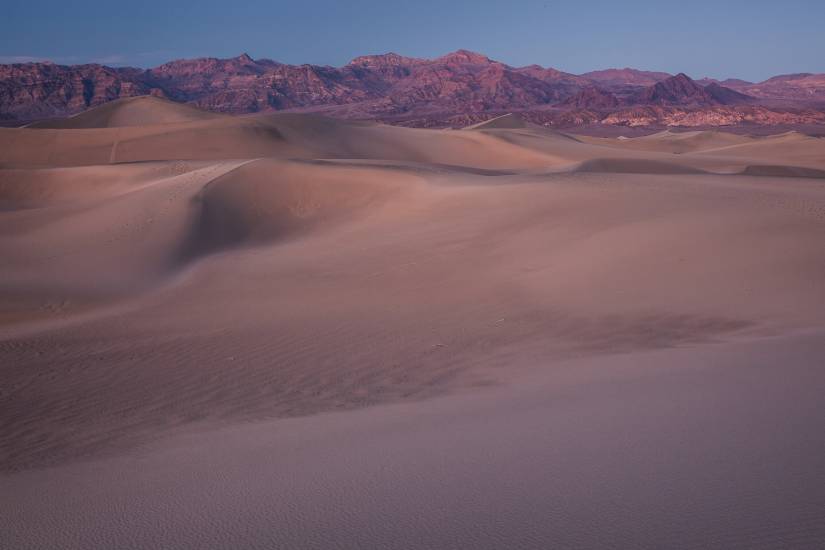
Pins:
x,y
290,331
686,448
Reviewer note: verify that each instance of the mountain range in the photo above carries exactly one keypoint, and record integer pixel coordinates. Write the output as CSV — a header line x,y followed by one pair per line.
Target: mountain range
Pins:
x,y
456,89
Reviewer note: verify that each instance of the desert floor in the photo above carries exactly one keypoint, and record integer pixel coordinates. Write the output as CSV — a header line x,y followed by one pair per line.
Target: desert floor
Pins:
x,y
289,331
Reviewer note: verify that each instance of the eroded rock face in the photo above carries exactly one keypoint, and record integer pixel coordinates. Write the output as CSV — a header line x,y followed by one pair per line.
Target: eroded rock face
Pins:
x,y
385,84
459,86
592,98
39,90
676,90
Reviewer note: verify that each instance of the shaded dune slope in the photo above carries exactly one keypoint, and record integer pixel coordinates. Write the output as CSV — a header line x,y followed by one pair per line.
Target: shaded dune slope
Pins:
x,y
634,166
783,171
267,200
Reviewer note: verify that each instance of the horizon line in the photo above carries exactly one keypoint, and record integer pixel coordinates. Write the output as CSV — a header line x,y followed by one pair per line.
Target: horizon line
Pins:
x,y
119,61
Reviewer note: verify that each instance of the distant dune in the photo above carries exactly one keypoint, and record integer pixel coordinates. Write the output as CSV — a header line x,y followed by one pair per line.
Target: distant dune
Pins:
x,y
557,338
682,142
508,121
131,111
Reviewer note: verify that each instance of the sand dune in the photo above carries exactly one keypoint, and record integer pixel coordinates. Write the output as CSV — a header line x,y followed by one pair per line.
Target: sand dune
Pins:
x,y
783,171
676,142
132,111
35,188
509,121
279,136
176,276
634,166
791,148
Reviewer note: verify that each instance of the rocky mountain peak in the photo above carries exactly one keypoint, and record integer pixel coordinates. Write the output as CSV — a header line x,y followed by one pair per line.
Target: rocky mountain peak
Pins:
x,y
465,57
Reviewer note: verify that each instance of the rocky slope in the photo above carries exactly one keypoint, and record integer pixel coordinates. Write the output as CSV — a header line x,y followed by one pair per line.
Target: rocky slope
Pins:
x,y
796,86
592,98
460,86
39,90
676,90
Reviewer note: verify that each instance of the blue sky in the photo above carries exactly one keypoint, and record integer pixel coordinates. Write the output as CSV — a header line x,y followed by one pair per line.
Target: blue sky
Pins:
x,y
736,38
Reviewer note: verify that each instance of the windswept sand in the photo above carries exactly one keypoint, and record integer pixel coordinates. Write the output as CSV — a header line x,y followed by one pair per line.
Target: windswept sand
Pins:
x,y
187,298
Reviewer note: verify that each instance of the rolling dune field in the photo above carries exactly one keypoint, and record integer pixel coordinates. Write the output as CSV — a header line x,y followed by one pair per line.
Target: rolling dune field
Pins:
x,y
293,331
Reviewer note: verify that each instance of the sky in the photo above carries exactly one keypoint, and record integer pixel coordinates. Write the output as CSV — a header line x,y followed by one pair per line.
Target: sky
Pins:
x,y
752,39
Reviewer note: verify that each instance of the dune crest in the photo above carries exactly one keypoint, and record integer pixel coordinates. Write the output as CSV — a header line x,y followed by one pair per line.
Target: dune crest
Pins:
x,y
131,111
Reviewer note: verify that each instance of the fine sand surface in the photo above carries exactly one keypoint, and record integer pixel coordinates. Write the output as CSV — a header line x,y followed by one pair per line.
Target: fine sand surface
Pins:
x,y
551,340
719,447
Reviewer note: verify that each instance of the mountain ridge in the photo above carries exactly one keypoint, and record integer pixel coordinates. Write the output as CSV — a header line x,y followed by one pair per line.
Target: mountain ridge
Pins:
x,y
389,87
